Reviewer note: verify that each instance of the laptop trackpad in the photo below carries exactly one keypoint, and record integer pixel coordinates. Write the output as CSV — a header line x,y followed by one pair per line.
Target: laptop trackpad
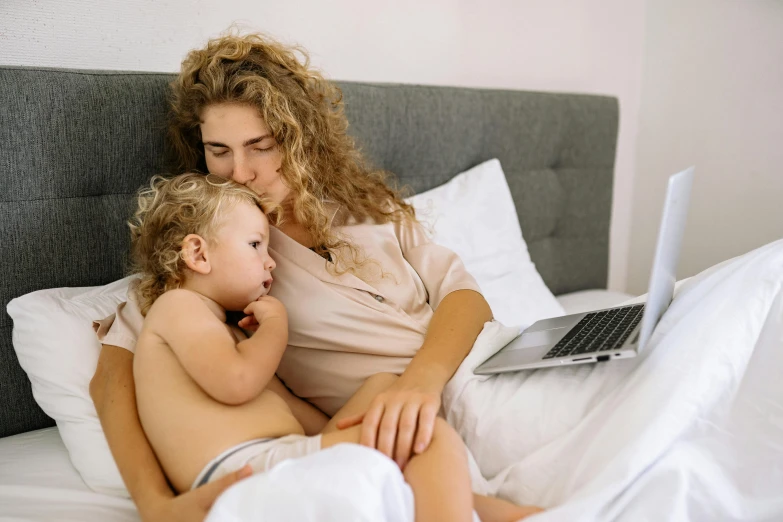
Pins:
x,y
546,337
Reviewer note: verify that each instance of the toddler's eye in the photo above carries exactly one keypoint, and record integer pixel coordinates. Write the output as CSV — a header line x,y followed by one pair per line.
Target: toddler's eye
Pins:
x,y
255,244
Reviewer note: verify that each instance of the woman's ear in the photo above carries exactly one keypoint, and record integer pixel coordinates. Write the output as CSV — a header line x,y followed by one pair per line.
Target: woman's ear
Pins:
x,y
195,254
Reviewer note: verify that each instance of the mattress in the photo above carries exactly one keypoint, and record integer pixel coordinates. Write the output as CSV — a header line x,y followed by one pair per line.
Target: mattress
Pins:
x,y
39,483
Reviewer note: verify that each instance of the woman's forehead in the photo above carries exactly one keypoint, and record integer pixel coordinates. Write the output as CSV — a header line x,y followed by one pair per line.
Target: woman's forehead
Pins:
x,y
233,120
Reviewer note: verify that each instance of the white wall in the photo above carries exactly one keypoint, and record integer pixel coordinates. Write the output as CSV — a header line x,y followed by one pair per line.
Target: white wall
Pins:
x,y
559,45
712,96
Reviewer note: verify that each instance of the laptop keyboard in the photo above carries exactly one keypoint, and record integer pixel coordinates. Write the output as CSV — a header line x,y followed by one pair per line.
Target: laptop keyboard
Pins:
x,y
599,332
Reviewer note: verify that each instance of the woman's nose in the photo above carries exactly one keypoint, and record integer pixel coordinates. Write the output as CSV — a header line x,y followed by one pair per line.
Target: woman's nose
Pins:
x,y
242,173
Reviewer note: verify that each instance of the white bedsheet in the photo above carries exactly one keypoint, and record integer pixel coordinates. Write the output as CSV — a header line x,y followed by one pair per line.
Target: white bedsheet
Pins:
x,y
39,483
690,430
347,482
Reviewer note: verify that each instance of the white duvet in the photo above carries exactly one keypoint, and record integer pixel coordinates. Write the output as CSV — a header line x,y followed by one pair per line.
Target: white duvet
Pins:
x,y
690,430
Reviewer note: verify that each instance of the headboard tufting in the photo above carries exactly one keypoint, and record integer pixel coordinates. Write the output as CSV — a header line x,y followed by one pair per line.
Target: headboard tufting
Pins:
x,y
75,145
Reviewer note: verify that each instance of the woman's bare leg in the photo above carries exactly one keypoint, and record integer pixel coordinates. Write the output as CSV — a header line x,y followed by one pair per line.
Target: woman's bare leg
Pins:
x,y
490,509
438,476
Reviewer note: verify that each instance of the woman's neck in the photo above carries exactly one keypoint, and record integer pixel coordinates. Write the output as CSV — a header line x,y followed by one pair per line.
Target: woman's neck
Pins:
x,y
298,233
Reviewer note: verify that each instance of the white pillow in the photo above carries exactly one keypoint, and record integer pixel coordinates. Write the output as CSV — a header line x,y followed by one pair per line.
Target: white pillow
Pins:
x,y
474,215
57,347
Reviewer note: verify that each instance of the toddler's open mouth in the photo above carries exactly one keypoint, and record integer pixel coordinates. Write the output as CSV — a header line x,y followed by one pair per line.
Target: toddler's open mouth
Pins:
x,y
268,283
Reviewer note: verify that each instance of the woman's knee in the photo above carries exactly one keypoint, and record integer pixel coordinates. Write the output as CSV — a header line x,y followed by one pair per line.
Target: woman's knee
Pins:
x,y
350,435
442,430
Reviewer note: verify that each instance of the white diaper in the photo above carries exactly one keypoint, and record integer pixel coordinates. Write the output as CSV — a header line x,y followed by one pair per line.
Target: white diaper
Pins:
x,y
261,454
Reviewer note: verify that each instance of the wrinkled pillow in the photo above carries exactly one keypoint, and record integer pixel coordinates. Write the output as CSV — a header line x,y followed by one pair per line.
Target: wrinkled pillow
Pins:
x,y
57,347
473,214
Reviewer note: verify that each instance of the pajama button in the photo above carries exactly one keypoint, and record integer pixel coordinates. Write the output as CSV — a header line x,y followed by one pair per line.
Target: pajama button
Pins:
x,y
379,298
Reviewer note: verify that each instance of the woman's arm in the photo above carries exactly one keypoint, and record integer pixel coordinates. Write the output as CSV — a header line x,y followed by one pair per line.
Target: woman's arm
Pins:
x,y
454,327
114,394
409,407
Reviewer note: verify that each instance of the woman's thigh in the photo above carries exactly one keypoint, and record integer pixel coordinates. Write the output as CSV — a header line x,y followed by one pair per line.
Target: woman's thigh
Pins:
x,y
361,400
336,436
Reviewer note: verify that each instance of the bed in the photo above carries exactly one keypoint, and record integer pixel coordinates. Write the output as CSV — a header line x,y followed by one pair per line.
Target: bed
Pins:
x,y
78,144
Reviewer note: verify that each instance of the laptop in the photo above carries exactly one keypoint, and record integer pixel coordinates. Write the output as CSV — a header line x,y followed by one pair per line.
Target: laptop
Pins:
x,y
612,333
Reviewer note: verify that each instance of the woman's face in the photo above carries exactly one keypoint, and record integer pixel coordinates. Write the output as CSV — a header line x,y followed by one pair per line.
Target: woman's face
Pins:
x,y
239,146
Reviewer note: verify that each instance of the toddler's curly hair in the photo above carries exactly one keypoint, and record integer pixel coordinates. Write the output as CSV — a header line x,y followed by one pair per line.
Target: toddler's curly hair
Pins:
x,y
168,210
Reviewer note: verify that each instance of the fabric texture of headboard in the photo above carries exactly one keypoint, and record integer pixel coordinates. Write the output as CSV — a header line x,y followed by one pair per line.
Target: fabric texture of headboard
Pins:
x,y
76,145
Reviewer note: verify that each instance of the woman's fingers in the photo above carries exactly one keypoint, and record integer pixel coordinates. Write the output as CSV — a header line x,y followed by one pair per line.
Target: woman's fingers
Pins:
x,y
208,493
409,419
427,415
387,431
370,424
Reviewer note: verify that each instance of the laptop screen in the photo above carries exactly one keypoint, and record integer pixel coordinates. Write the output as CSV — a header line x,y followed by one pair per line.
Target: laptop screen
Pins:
x,y
667,252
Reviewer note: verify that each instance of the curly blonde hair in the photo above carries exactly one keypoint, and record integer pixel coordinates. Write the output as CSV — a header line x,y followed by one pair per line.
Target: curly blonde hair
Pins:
x,y
168,210
304,111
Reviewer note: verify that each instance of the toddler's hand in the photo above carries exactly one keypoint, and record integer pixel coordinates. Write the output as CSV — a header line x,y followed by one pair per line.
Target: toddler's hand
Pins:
x,y
248,323
263,309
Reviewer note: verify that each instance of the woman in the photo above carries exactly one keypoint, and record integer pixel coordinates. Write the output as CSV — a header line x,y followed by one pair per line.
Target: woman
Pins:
x,y
365,289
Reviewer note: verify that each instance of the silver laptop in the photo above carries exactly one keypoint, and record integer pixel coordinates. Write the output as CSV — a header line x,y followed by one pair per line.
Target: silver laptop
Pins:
x,y
613,333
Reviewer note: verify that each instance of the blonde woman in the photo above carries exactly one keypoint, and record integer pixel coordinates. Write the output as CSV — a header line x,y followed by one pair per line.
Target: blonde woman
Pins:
x,y
366,290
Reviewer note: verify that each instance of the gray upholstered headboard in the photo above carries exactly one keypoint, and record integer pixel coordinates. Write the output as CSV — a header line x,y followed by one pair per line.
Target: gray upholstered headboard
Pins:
x,y
74,146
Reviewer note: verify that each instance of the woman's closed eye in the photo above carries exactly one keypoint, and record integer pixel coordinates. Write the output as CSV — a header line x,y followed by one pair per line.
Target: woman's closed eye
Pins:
x,y
223,153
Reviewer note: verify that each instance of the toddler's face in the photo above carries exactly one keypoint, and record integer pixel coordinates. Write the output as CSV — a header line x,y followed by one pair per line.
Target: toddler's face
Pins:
x,y
240,262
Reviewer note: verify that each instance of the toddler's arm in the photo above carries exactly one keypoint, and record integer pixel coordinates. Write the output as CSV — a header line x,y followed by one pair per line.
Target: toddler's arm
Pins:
x,y
230,372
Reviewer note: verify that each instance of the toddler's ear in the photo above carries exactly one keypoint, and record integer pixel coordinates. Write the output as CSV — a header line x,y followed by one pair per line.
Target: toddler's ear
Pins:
x,y
195,254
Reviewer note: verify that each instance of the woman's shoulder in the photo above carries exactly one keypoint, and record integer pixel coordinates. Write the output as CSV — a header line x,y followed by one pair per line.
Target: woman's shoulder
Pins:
x,y
389,211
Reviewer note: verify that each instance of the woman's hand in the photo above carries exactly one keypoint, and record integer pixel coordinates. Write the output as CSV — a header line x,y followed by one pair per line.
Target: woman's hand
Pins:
x,y
400,420
193,506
